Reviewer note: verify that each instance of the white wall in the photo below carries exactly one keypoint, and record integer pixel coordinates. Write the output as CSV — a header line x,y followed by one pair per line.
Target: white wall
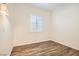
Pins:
x,y
65,25
5,36
22,34
6,32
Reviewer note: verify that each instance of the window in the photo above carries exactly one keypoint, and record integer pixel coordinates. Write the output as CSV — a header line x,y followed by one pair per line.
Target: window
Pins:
x,y
36,24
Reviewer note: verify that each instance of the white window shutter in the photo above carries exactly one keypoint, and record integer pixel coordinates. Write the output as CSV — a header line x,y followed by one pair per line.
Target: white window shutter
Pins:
x,y
36,24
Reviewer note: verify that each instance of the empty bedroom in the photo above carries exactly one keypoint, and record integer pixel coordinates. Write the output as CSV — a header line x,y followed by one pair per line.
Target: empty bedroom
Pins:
x,y
39,29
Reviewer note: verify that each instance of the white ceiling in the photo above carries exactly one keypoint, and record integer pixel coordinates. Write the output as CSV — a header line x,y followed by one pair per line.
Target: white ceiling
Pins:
x,y
46,6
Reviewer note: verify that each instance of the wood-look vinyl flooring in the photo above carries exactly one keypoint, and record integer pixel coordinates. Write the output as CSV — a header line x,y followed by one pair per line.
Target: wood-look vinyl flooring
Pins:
x,y
47,48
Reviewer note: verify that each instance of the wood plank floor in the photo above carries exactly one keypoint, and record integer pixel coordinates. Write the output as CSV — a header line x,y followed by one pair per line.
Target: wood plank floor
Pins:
x,y
47,48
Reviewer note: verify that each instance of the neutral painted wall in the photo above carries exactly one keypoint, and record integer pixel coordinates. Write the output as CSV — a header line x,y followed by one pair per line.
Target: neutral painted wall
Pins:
x,y
6,37
22,34
65,25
